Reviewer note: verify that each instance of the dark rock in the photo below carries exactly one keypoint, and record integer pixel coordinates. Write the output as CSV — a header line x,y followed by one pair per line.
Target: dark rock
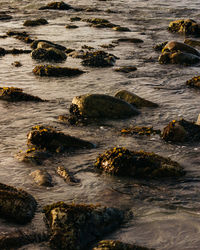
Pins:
x,y
40,21
18,51
99,23
126,69
49,70
66,175
20,35
160,46
56,6
75,226
174,46
4,16
123,162
75,18
192,42
17,64
194,82
69,26
130,40
140,131
16,205
2,52
42,178
49,54
119,28
185,26
49,44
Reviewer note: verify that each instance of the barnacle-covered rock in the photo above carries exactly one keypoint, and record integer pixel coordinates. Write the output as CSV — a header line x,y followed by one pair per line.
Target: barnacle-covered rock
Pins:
x,y
185,26
134,99
16,205
56,6
40,21
126,69
103,106
13,94
117,245
44,44
42,178
49,54
181,131
194,82
46,137
123,162
66,175
49,70
77,226
137,130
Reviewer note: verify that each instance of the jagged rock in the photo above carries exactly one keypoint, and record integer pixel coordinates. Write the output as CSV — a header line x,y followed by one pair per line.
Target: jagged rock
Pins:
x,y
126,69
160,46
13,94
181,131
16,205
44,44
191,42
47,138
56,6
42,178
118,245
103,106
49,54
66,175
123,162
135,100
49,70
139,131
185,26
194,82
40,21
77,226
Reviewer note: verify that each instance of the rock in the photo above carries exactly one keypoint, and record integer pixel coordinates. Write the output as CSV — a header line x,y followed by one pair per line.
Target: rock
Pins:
x,y
134,100
103,106
77,226
107,46
194,82
140,131
174,46
47,138
17,64
2,52
16,205
20,35
66,175
4,16
49,70
75,18
118,245
18,51
185,26
42,178
99,23
129,40
13,94
181,58
44,44
56,6
126,69
191,42
87,47
40,21
70,26
181,131
119,28
160,46
49,54
123,162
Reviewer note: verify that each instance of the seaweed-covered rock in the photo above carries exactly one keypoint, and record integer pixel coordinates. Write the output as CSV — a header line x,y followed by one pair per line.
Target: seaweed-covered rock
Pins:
x,y
13,94
185,26
117,245
140,131
77,226
194,82
66,175
134,99
103,106
49,54
49,70
43,44
56,6
123,162
46,137
42,178
40,21
16,205
192,42
181,131
126,69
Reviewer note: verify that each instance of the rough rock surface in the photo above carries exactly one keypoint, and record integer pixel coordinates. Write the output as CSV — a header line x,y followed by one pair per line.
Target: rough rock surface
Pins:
x,y
185,26
42,178
49,54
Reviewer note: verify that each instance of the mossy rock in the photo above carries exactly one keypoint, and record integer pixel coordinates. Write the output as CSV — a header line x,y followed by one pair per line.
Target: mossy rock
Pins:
x,y
137,130
46,44
16,205
37,22
126,69
194,82
192,42
103,106
123,162
77,226
13,94
182,58
181,131
174,46
49,70
185,26
47,138
134,99
56,6
118,245
49,54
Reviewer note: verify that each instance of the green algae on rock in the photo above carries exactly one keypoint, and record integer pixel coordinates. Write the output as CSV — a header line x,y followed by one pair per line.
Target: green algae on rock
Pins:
x,y
16,205
13,94
185,26
123,162
37,22
56,6
194,82
181,131
134,99
140,131
50,70
42,178
77,226
118,245
49,54
47,138
103,106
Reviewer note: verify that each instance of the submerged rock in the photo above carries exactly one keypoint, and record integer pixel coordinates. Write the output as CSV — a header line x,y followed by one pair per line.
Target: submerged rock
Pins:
x,y
194,82
16,205
140,131
185,26
49,70
46,137
40,21
123,162
66,175
77,226
13,94
56,6
49,54
42,178
134,99
103,106
44,44
126,69
181,131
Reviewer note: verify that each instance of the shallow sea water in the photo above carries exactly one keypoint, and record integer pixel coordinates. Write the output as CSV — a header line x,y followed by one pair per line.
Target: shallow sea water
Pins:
x,y
166,214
